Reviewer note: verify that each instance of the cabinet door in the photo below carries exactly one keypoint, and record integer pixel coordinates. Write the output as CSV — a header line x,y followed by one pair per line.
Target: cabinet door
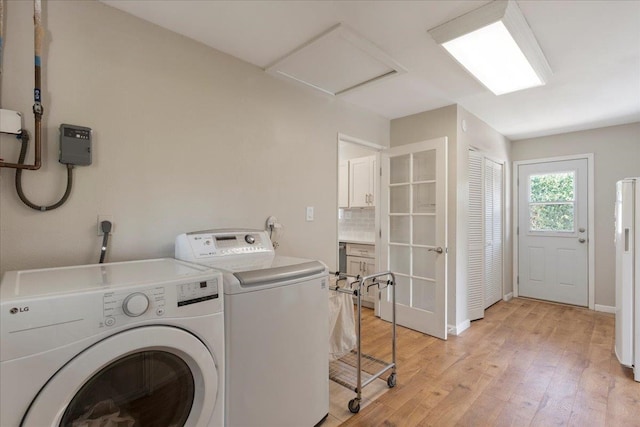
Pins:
x,y
343,184
363,266
355,265
369,266
361,173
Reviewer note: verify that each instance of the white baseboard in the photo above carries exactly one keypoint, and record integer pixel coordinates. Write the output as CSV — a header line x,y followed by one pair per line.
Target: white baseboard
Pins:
x,y
460,328
508,297
605,308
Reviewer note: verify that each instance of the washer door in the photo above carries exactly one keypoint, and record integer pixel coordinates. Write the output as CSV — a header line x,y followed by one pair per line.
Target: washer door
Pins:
x,y
156,376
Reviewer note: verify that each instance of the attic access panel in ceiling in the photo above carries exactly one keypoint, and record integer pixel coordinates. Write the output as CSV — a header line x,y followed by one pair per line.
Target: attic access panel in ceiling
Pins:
x,y
337,61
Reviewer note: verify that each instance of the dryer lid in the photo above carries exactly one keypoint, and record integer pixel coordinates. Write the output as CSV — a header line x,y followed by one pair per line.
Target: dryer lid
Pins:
x,y
48,281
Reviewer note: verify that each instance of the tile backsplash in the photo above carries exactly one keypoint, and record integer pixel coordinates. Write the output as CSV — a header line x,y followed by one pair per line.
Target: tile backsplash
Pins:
x,y
356,224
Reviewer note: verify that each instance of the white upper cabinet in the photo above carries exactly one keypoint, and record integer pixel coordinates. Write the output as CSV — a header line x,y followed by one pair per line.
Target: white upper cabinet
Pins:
x,y
343,184
361,182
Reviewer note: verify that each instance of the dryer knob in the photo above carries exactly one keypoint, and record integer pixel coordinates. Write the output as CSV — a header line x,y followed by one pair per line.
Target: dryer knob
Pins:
x,y
249,239
135,304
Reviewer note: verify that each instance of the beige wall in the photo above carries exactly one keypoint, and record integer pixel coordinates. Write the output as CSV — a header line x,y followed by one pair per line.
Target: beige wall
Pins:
x,y
616,152
185,138
447,121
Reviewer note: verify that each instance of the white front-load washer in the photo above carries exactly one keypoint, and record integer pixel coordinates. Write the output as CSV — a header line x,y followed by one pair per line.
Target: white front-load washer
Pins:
x,y
276,328
136,344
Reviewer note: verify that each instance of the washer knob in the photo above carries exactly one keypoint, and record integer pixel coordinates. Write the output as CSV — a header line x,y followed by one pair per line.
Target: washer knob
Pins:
x,y
135,304
249,239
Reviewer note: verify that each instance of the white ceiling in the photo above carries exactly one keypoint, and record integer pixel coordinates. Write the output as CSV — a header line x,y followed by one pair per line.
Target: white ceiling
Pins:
x,y
593,48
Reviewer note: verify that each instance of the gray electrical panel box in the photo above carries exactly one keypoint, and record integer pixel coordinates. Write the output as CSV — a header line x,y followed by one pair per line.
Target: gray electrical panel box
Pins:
x,y
75,145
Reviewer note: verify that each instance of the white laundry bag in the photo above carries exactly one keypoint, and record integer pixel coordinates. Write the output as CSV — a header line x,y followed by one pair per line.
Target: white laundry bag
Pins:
x,y
342,325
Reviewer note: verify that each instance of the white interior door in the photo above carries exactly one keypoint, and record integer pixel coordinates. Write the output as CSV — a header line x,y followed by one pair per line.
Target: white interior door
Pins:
x,y
413,234
552,231
485,235
476,235
493,178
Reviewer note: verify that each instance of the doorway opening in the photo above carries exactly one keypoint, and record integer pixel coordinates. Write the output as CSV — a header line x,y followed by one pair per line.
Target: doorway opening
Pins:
x,y
358,218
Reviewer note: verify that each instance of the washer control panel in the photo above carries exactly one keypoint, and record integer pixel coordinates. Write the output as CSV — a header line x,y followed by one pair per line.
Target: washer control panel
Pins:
x,y
133,304
220,243
191,293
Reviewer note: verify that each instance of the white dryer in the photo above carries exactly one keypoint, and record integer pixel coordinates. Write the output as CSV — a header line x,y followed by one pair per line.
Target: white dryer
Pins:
x,y
276,328
140,343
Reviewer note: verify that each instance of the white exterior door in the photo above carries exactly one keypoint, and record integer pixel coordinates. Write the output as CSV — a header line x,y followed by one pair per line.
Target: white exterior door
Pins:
x,y
552,231
413,234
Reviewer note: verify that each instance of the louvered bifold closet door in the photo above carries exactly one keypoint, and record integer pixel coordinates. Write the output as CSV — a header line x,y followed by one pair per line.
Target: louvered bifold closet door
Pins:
x,y
493,232
475,293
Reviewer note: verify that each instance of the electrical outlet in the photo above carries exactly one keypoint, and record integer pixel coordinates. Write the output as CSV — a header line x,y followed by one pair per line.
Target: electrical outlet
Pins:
x,y
105,218
309,213
272,222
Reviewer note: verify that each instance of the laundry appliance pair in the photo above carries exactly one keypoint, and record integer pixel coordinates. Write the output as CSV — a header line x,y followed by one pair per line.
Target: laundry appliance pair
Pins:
x,y
236,336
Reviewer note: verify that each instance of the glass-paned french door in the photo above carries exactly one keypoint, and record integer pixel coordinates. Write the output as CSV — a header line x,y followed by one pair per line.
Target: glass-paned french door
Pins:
x,y
414,234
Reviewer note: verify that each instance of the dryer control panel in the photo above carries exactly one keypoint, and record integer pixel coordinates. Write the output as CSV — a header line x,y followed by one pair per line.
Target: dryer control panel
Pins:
x,y
206,244
124,307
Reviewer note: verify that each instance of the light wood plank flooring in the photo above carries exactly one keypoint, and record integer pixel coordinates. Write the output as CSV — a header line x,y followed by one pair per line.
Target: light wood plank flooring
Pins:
x,y
527,363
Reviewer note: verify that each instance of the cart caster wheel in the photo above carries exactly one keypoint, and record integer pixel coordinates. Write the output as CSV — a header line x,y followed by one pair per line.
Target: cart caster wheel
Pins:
x,y
391,381
354,406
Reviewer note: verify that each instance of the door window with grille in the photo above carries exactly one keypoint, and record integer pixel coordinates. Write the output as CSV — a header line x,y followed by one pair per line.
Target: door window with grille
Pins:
x,y
552,202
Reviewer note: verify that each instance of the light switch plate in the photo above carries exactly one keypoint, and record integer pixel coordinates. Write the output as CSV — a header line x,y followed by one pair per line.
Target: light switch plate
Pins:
x,y
309,213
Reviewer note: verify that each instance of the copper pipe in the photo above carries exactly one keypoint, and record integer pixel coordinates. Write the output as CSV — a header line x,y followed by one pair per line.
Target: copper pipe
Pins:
x,y
37,107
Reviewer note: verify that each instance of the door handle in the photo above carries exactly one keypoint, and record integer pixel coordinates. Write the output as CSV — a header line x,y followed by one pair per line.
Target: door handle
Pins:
x,y
438,250
581,240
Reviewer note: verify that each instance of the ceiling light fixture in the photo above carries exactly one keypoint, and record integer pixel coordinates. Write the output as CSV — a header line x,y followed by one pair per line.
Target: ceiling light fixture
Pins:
x,y
495,44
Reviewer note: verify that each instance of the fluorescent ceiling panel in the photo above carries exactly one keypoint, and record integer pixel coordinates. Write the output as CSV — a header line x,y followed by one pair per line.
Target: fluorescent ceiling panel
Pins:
x,y
495,44
337,62
494,58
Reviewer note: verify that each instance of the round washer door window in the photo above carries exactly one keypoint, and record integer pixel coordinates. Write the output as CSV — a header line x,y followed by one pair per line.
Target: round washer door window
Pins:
x,y
149,388
154,376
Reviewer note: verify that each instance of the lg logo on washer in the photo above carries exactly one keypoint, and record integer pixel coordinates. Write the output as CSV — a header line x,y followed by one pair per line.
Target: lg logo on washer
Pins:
x,y
16,310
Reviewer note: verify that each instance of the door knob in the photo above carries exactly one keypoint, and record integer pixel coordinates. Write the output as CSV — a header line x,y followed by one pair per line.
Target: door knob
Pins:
x,y
581,240
438,250
581,230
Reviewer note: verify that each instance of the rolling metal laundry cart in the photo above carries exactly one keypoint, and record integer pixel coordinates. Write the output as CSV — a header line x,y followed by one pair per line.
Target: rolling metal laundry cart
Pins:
x,y
365,365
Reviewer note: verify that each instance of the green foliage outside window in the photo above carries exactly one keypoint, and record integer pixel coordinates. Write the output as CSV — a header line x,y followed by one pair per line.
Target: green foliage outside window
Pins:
x,y
551,198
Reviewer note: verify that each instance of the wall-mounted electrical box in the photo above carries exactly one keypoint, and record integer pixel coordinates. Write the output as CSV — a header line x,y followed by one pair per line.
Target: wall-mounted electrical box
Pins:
x,y
75,145
10,121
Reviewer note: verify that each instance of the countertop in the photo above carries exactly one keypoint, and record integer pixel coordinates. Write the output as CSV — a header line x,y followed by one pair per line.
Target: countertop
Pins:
x,y
360,242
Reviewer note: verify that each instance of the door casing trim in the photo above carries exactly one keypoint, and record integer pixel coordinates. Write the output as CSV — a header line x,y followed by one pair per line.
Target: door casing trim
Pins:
x,y
591,260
